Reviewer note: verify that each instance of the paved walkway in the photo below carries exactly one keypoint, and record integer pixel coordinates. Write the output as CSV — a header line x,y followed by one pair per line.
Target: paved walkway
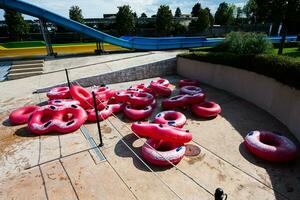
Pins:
x,y
81,67
64,166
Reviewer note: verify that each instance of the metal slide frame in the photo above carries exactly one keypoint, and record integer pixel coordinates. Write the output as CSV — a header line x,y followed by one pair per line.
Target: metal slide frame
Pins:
x,y
138,43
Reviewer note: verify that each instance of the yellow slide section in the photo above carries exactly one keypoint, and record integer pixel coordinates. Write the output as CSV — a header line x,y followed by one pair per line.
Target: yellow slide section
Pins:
x,y
66,49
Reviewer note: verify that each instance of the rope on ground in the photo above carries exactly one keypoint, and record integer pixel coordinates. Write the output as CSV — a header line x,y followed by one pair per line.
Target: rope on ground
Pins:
x,y
139,158
139,138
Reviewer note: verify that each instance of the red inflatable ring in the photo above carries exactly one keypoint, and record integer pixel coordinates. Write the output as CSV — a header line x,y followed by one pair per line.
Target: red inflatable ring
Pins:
x,y
116,106
141,88
21,115
162,153
104,111
190,90
162,132
188,82
63,102
62,119
182,100
161,90
103,93
140,99
138,113
82,95
206,109
161,81
123,95
59,93
170,117
270,146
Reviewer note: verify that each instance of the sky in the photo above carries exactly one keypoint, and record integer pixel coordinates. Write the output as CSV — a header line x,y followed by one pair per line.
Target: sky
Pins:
x,y
96,8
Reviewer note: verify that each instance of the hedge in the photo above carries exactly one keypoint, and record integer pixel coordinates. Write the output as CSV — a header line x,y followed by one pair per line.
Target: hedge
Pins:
x,y
23,44
284,69
287,45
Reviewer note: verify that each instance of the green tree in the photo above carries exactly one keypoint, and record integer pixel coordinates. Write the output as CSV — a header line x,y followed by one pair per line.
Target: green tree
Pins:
x,y
125,21
202,22
135,15
285,12
210,16
196,10
164,20
250,10
179,29
75,13
16,25
224,14
143,15
239,18
178,12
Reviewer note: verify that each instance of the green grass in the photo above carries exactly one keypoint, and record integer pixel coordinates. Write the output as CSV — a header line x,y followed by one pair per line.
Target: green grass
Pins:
x,y
284,69
201,49
290,52
23,44
28,44
73,44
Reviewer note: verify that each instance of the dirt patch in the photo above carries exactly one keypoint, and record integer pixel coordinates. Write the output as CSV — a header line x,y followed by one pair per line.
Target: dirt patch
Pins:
x,y
106,129
193,160
221,177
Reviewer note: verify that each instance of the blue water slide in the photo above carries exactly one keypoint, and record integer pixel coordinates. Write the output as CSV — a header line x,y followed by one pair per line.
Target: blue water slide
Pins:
x,y
141,43
131,43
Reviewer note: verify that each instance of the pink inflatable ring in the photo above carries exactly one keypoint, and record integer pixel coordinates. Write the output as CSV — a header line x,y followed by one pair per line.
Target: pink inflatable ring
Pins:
x,y
62,119
162,153
59,93
170,117
21,115
163,132
206,109
82,95
270,146
188,82
190,90
137,113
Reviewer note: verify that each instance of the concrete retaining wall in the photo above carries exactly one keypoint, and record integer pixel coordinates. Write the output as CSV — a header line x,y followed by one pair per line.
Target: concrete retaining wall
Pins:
x,y
276,98
139,72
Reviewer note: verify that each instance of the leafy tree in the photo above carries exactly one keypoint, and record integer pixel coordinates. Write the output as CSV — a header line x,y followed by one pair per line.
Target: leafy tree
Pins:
x,y
164,20
179,29
16,25
135,15
202,21
75,13
143,15
196,10
250,10
285,12
178,12
224,14
210,16
125,21
240,19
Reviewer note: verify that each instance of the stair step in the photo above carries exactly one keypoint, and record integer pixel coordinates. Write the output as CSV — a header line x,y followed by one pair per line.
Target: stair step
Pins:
x,y
27,62
13,76
29,65
4,76
27,69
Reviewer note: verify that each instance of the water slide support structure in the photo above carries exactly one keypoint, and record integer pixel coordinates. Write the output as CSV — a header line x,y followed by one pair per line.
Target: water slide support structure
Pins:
x,y
46,36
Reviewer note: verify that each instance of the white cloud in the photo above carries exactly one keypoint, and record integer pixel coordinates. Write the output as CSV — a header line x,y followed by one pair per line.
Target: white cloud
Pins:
x,y
96,8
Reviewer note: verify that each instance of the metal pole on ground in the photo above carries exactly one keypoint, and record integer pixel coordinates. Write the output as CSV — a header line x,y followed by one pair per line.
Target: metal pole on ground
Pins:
x,y
220,195
67,75
97,119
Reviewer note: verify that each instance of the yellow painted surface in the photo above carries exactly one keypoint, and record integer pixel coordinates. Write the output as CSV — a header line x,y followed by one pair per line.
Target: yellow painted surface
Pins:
x,y
34,51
